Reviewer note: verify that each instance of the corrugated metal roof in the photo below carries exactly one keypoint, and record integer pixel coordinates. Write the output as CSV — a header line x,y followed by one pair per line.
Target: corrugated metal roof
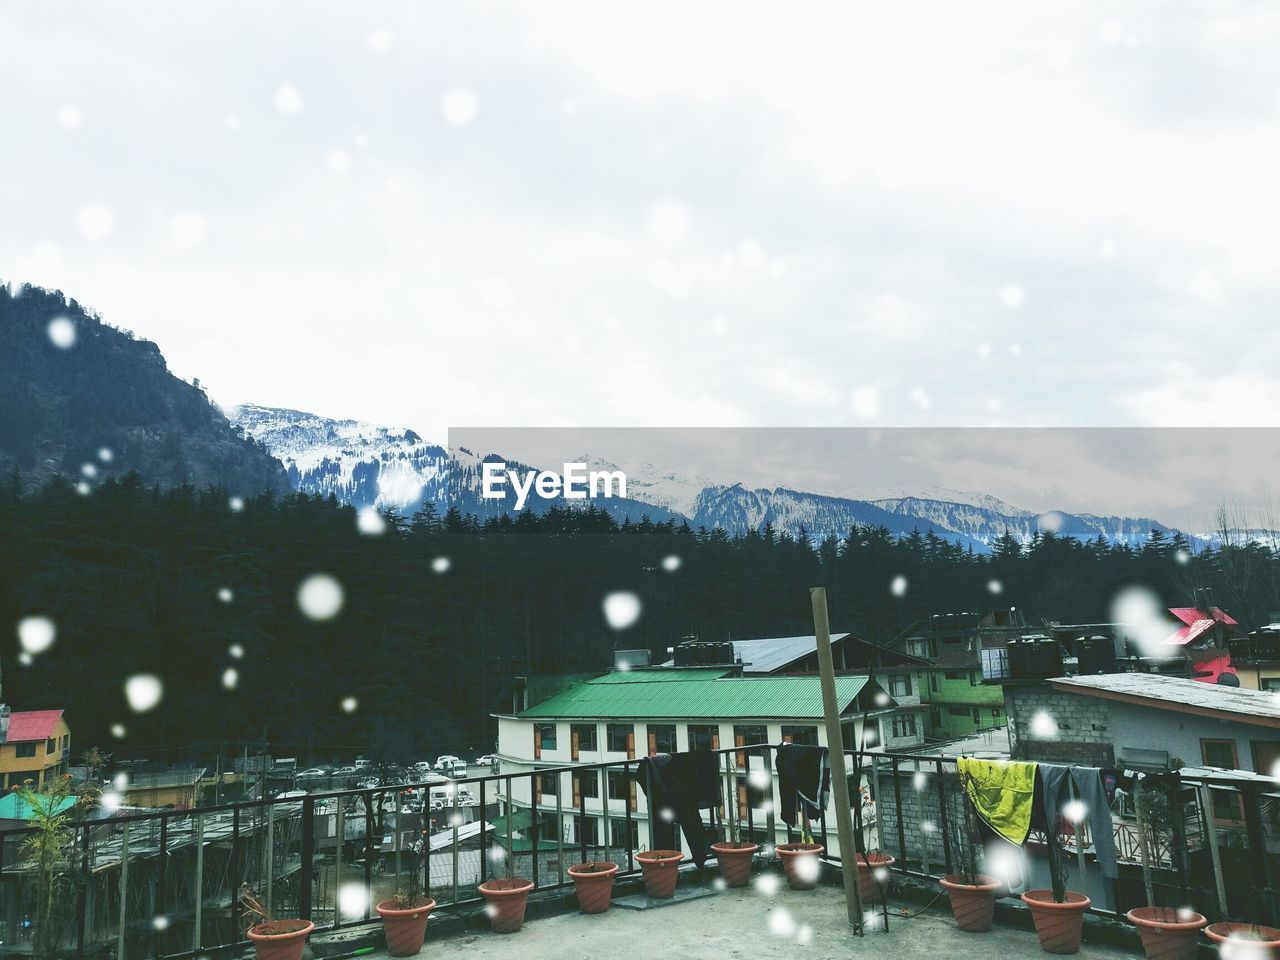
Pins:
x,y
28,725
661,675
1179,694
677,695
772,653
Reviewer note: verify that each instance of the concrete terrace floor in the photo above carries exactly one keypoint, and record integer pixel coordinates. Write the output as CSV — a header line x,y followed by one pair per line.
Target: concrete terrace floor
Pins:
x,y
747,923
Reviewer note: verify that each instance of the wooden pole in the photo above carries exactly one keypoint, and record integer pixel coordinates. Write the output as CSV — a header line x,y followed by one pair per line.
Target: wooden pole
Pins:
x,y
835,754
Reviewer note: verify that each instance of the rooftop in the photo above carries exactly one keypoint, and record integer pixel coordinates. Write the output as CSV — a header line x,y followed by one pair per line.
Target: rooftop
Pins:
x,y
694,694
748,923
1180,696
32,725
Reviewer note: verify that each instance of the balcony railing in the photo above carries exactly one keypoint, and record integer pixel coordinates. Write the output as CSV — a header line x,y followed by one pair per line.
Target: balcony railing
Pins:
x,y
165,883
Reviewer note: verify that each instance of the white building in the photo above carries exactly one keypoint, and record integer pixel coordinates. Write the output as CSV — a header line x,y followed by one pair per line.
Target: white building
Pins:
x,y
625,716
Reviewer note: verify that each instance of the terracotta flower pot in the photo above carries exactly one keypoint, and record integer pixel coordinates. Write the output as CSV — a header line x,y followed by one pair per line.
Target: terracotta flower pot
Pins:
x,y
280,939
593,883
405,929
1253,941
869,885
661,869
505,901
802,864
972,904
735,862
1167,934
1058,925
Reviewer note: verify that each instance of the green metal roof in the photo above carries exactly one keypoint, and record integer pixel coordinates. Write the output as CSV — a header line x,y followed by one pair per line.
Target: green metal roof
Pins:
x,y
14,807
688,695
664,675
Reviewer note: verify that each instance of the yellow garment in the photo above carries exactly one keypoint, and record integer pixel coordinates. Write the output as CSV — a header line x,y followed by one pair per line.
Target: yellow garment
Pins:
x,y
1002,792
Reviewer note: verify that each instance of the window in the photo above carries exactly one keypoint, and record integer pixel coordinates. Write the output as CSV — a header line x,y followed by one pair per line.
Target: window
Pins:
x,y
547,784
1269,683
746,735
904,725
544,736
589,831
997,712
977,718
25,750
900,685
619,785
662,738
620,738
583,736
919,647
973,678
957,712
757,792
704,736
802,735
1219,753
51,746
995,664
589,784
618,835
933,682
955,674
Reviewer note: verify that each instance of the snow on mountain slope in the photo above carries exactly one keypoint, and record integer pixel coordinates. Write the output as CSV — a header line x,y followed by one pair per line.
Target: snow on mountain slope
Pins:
x,y
363,464
366,464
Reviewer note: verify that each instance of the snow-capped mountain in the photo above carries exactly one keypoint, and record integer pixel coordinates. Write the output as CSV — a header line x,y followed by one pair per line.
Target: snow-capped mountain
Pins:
x,y
360,463
365,464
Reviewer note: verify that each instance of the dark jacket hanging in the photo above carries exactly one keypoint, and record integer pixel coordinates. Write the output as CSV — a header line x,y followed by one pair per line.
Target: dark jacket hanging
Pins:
x,y
678,786
804,778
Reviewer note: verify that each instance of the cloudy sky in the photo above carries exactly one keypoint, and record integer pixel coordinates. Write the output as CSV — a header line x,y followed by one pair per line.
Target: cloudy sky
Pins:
x,y
684,214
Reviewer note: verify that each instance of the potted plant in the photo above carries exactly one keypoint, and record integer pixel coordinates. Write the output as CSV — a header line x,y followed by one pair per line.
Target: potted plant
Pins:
x,y
873,874
1057,913
1246,940
733,854
49,848
273,939
593,883
1167,933
801,861
404,918
506,898
971,892
661,869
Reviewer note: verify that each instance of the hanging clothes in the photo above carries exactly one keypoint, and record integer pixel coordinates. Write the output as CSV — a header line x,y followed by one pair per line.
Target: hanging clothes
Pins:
x,y
682,785
1003,794
1091,790
804,780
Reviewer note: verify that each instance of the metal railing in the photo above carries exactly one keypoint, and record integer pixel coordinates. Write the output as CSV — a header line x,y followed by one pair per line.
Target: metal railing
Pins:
x,y
166,883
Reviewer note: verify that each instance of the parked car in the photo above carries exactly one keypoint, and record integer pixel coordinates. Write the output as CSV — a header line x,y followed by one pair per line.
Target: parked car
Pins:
x,y
368,783
313,772
446,762
459,768
488,760
363,764
344,771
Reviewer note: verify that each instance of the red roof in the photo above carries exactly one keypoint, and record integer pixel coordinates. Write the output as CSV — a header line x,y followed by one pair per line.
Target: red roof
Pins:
x,y
33,725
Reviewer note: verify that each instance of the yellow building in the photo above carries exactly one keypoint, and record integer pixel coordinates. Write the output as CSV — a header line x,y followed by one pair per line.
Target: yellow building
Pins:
x,y
34,745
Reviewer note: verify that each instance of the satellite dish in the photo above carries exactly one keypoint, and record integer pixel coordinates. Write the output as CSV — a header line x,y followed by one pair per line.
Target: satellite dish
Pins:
x,y
1228,680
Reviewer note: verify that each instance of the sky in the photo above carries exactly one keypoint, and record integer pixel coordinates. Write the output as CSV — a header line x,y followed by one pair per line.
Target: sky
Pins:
x,y
731,215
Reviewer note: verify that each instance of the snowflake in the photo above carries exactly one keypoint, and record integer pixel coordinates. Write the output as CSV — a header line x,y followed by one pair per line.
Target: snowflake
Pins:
x,y
320,597
62,333
671,563
621,609
349,704
143,691
899,586
36,634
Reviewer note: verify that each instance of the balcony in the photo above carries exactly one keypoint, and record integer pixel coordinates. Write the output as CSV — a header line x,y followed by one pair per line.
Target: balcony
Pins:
x,y
164,884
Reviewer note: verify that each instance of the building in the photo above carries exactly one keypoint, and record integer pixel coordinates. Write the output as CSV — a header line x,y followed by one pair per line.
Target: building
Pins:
x,y
1256,658
34,745
1144,721
626,715
156,789
958,651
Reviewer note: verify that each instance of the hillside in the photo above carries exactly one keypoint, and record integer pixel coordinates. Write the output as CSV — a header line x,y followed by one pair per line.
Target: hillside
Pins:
x,y
82,398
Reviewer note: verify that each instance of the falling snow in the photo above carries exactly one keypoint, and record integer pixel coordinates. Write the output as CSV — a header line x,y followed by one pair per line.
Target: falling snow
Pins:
x,y
899,586
288,98
369,521
230,678
1044,726
62,333
320,597
36,634
225,594
349,704
459,107
621,609
143,691
995,586
671,563
236,504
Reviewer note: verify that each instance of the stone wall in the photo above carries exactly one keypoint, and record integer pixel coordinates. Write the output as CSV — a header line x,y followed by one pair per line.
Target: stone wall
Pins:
x,y
920,813
1080,730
